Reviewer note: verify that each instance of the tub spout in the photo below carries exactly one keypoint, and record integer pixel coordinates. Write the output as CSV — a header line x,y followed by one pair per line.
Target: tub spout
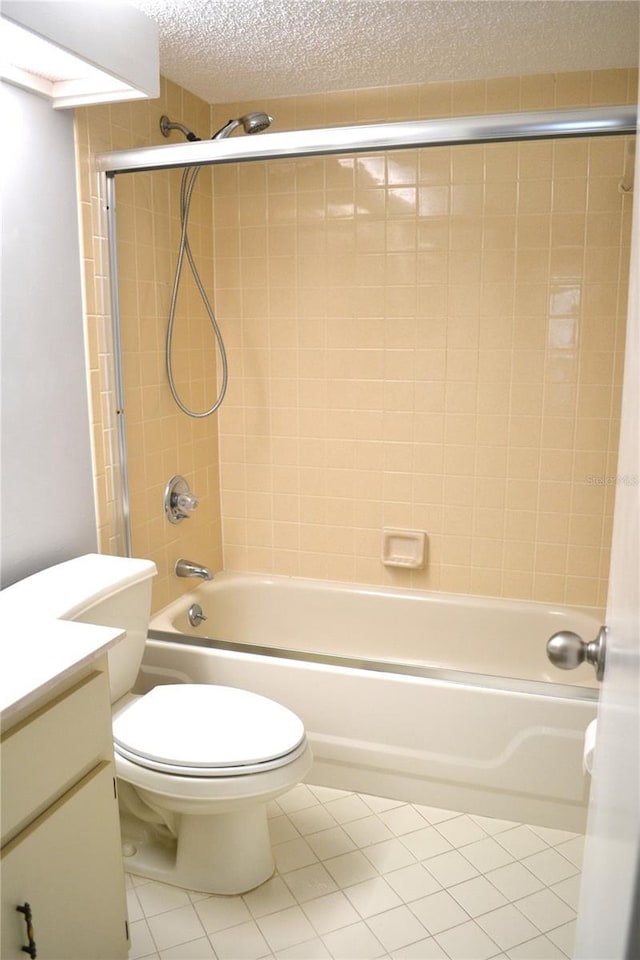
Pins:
x,y
187,568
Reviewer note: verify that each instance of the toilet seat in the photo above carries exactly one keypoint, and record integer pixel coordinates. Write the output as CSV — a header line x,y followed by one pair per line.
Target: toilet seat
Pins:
x,y
206,730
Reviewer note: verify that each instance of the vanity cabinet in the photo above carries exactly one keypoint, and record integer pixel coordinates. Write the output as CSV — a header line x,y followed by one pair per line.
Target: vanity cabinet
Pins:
x,y
60,827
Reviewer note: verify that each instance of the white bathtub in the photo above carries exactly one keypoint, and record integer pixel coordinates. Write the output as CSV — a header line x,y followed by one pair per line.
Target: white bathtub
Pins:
x,y
436,698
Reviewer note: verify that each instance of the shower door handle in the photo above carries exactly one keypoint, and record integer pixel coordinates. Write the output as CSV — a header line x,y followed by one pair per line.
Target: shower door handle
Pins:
x,y
567,651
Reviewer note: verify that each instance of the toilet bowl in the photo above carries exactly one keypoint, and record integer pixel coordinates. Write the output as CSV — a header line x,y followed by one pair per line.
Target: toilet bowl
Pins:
x,y
196,763
204,761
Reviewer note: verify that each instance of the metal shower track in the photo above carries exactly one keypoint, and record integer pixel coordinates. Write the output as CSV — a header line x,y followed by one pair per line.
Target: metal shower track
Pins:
x,y
541,125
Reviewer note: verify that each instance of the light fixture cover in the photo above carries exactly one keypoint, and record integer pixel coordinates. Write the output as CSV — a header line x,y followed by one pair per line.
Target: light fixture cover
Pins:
x,y
80,53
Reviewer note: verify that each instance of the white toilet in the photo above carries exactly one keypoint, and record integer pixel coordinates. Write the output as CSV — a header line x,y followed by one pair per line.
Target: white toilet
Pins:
x,y
198,761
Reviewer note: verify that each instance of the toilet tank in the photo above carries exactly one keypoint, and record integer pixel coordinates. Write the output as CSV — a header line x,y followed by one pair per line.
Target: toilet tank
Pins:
x,y
109,591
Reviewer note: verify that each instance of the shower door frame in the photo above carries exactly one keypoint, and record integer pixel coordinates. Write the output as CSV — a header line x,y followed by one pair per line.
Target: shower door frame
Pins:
x,y
326,141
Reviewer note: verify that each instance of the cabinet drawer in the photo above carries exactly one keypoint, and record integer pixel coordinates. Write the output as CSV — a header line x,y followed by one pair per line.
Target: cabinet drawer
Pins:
x,y
52,748
67,865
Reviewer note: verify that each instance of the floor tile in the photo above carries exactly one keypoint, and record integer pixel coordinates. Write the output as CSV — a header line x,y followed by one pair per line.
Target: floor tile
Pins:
x,y
521,842
372,896
507,926
365,876
218,913
367,831
269,897
569,891
310,882
331,912
324,794
378,804
435,814
309,950
330,843
397,928
157,898
412,882
427,949
195,950
477,896
549,866
540,948
514,881
348,808
487,854
141,941
356,942
546,910
401,820
460,831
293,854
491,825
438,912
133,881
551,836
286,928
134,908
467,942
298,798
389,855
425,843
195,895
573,850
281,828
244,942
564,937
350,868
450,868
175,926
312,819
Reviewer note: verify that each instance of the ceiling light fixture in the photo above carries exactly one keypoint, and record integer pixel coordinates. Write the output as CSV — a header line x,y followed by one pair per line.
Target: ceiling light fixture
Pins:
x,y
74,55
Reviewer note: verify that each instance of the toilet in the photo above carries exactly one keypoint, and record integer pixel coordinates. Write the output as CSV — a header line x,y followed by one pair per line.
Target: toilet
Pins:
x,y
197,763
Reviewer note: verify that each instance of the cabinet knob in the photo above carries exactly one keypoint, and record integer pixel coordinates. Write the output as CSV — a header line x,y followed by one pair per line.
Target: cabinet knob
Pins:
x,y
25,909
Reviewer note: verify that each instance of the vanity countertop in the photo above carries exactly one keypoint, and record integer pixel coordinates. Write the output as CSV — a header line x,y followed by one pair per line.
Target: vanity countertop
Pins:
x,y
39,656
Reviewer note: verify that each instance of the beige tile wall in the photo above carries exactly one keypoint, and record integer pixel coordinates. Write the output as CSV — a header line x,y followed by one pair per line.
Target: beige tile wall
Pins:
x,y
161,441
430,339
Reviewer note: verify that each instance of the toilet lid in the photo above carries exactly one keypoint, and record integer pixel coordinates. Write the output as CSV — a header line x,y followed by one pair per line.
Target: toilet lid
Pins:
x,y
197,729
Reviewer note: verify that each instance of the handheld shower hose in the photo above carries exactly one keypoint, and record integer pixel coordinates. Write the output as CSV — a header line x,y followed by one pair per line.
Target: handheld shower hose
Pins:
x,y
252,123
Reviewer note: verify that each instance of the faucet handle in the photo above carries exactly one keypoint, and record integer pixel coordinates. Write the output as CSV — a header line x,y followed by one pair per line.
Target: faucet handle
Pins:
x,y
185,502
179,502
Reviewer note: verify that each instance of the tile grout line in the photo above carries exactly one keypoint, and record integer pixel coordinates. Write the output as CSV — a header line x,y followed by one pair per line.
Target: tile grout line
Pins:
x,y
299,899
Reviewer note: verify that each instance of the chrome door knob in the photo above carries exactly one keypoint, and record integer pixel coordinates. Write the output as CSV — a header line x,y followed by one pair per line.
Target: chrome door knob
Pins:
x,y
567,651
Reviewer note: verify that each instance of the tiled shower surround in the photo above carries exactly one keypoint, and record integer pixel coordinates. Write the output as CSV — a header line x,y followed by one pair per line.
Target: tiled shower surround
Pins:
x,y
428,339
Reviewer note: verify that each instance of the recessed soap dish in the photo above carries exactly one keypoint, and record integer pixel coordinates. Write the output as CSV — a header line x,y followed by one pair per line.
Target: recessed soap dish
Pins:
x,y
404,548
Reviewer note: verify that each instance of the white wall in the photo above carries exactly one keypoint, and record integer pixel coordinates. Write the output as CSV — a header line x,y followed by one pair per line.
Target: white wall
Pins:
x,y
47,508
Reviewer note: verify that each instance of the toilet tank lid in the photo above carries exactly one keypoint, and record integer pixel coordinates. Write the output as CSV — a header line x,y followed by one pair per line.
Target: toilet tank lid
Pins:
x,y
63,591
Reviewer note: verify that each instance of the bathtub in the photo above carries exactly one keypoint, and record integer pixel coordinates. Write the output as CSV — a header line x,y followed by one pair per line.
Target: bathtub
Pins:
x,y
433,698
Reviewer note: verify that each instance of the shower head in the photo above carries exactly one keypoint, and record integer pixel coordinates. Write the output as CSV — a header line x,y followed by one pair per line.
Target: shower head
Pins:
x,y
252,123
166,126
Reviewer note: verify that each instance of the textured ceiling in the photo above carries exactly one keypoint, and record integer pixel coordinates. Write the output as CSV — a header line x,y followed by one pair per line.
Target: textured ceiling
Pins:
x,y
226,50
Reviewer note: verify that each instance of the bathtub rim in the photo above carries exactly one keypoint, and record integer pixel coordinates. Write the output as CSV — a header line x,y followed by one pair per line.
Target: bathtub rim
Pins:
x,y
395,591
440,674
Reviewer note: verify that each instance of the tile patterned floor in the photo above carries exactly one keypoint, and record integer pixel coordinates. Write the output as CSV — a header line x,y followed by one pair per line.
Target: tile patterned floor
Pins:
x,y
360,877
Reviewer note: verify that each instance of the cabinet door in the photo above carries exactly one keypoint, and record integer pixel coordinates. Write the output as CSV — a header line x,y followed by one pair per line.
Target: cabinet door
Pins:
x,y
67,865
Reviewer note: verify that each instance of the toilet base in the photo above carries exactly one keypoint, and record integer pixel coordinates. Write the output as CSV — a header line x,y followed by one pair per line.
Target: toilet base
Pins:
x,y
228,853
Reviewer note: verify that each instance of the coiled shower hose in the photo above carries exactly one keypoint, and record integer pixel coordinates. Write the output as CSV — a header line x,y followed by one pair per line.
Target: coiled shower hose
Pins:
x,y
189,177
